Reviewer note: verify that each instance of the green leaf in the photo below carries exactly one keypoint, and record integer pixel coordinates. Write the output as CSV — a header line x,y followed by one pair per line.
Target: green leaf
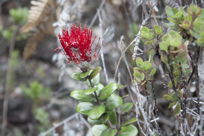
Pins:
x,y
36,91
76,76
172,104
128,131
88,91
130,121
102,120
202,13
153,72
172,20
112,117
172,38
108,90
198,26
96,80
158,30
81,76
109,132
95,72
42,116
175,38
168,97
99,87
139,76
19,15
7,34
84,107
185,24
177,108
170,11
133,30
179,14
139,61
146,65
113,101
96,112
175,15
194,10
126,107
163,45
98,129
164,58
85,74
146,33
81,96
149,42
200,42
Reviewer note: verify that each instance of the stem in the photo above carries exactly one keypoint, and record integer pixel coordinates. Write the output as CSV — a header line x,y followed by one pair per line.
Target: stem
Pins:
x,y
197,79
198,89
110,124
169,70
119,120
8,86
95,95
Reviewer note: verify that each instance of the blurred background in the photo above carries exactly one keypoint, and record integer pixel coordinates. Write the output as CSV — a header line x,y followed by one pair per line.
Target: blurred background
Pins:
x,y
35,80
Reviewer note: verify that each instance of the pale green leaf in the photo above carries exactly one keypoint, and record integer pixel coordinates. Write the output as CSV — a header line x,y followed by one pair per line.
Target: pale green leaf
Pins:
x,y
84,107
96,112
98,129
109,132
128,131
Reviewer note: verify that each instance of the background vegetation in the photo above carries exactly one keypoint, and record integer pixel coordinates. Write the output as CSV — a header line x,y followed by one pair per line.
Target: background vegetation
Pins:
x,y
149,78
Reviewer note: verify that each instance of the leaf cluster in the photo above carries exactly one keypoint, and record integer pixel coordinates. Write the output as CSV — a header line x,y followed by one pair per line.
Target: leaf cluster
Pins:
x,y
103,106
172,48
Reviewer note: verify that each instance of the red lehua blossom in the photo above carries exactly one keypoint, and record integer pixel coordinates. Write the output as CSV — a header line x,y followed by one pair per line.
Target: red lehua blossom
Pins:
x,y
78,44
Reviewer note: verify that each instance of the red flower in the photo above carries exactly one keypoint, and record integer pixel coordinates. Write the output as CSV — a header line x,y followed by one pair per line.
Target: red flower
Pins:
x,y
78,44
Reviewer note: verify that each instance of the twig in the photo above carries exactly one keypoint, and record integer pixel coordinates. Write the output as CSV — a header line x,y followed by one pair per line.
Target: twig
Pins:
x,y
95,95
85,122
101,51
8,87
136,42
198,90
59,124
96,15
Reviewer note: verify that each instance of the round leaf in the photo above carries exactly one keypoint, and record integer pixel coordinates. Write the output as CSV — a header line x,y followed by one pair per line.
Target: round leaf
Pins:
x,y
84,107
146,33
98,129
147,65
128,131
112,117
130,121
108,90
95,72
169,11
81,76
109,132
96,112
139,76
158,29
125,107
175,38
89,91
113,101
164,46
139,61
81,96
103,119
